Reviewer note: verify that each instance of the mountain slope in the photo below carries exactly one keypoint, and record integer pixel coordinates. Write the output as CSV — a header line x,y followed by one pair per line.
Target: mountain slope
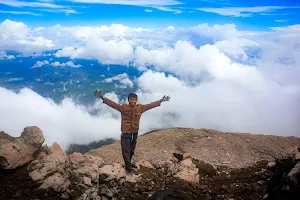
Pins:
x,y
216,148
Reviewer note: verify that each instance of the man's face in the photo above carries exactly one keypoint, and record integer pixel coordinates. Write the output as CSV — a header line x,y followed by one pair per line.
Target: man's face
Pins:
x,y
132,101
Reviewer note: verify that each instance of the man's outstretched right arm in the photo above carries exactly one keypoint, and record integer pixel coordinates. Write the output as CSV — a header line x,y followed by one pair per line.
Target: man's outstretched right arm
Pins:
x,y
108,102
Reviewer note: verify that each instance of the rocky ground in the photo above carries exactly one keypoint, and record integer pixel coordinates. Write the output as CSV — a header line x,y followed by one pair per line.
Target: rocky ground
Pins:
x,y
216,148
271,172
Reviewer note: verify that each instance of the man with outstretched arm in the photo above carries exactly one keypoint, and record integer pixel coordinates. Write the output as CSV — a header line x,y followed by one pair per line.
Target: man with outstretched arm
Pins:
x,y
131,114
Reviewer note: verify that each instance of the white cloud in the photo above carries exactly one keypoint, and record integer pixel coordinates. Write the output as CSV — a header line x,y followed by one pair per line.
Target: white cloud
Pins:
x,y
151,82
281,20
273,14
175,11
244,11
55,64
235,48
106,52
44,6
185,60
19,12
40,54
68,11
48,1
77,34
123,79
39,29
16,36
65,122
116,44
279,62
11,29
163,5
118,40
133,2
288,29
170,28
4,56
216,32
10,57
17,3
221,105
40,63
67,64
14,79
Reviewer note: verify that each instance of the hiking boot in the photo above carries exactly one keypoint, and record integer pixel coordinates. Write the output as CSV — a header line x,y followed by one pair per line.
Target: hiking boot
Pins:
x,y
135,172
132,172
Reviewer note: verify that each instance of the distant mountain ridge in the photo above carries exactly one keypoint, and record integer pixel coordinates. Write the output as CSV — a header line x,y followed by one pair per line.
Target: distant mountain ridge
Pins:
x,y
83,148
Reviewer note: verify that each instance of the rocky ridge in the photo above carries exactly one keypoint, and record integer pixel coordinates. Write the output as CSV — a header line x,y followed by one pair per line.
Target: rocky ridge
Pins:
x,y
213,172
235,150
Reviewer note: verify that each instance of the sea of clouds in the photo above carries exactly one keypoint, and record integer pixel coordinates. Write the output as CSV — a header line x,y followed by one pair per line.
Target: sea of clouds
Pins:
x,y
224,79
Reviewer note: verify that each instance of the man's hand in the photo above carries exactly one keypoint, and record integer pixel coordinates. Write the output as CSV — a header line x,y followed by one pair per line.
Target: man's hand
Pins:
x,y
165,98
98,93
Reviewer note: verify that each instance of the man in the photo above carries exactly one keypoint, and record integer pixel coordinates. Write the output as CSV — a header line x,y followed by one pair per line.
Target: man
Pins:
x,y
131,114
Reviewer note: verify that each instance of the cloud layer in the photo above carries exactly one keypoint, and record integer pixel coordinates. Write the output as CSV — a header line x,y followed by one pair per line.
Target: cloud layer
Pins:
x,y
221,78
61,7
123,80
17,36
245,11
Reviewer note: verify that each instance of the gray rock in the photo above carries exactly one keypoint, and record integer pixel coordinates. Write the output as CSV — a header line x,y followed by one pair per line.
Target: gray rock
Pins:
x,y
271,164
15,152
33,136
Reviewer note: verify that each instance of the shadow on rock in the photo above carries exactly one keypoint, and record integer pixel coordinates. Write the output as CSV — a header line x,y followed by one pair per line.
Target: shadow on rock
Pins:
x,y
169,194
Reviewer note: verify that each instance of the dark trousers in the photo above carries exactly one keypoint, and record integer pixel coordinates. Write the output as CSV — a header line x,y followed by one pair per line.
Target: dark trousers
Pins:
x,y
128,143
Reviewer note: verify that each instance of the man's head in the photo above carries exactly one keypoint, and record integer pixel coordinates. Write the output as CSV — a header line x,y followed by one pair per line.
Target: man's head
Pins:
x,y
132,99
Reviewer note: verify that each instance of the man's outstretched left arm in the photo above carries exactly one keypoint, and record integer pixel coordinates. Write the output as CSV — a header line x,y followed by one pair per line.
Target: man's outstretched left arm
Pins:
x,y
155,103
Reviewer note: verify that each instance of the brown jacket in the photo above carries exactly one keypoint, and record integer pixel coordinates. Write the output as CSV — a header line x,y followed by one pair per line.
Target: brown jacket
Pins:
x,y
130,116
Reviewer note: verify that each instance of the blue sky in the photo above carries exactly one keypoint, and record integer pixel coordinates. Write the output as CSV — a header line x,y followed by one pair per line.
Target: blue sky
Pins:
x,y
254,14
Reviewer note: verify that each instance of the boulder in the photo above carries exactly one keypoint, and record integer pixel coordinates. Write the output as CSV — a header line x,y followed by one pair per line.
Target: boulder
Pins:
x,y
33,136
185,169
114,171
146,164
15,152
297,156
271,164
294,175
58,181
54,169
49,161
87,180
49,169
85,165
188,171
90,194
